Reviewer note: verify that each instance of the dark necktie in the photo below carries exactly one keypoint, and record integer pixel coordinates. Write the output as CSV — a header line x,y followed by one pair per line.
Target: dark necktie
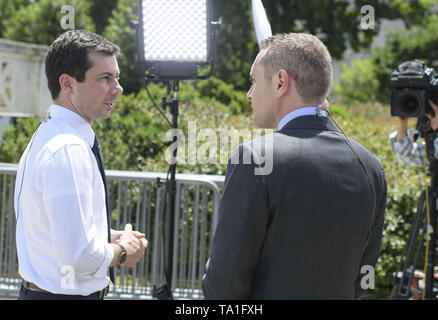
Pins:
x,y
98,155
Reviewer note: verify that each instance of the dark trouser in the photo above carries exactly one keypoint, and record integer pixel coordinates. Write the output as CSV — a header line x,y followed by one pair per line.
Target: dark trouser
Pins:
x,y
26,294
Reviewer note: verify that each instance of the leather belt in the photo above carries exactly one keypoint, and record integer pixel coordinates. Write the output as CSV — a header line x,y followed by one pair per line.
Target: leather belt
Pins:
x,y
33,287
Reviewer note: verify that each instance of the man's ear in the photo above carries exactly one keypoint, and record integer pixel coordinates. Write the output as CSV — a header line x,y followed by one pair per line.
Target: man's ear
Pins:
x,y
66,83
282,82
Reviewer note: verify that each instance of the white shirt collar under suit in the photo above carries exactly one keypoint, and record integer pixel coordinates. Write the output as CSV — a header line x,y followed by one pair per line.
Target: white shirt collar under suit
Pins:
x,y
306,111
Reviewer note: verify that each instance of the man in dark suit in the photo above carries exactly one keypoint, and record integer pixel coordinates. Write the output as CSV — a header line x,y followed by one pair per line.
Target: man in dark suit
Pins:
x,y
307,222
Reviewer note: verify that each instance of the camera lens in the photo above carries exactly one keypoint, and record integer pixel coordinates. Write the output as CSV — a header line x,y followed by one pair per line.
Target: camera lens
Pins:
x,y
409,104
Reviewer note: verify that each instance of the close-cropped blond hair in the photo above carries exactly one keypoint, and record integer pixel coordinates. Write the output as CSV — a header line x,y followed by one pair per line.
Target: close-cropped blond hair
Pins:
x,y
305,58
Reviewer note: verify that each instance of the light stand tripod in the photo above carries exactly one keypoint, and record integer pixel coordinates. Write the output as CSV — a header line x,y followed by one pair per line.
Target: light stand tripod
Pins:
x,y
164,292
163,57
426,221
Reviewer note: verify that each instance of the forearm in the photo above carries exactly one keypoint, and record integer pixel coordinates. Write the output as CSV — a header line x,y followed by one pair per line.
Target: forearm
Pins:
x,y
402,130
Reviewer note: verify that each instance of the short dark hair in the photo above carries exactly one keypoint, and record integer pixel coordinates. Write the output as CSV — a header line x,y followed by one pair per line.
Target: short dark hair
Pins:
x,y
69,54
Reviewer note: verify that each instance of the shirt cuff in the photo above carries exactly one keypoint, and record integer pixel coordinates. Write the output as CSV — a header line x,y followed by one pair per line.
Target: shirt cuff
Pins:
x,y
398,146
108,257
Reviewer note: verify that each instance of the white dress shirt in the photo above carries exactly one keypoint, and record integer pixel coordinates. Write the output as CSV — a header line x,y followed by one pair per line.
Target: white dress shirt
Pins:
x,y
62,239
305,111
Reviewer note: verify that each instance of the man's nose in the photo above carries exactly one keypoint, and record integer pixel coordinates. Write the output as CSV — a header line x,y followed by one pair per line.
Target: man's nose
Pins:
x,y
249,93
118,89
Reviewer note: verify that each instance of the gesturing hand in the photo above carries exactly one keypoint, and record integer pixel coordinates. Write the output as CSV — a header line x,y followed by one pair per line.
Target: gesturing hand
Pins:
x,y
135,244
116,234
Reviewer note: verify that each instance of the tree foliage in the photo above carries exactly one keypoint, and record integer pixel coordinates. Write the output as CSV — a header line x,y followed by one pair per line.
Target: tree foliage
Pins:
x,y
119,31
40,21
7,10
16,137
336,22
368,79
352,88
100,12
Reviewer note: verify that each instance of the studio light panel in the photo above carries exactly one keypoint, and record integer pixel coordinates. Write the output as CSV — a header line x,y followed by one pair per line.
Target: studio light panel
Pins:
x,y
175,30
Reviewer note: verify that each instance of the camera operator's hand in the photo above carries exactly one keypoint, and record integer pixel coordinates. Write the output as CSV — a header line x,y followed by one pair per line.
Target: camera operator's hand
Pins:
x,y
433,119
402,128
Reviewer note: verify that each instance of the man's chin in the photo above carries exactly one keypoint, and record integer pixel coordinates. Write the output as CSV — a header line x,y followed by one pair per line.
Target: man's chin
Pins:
x,y
106,115
103,115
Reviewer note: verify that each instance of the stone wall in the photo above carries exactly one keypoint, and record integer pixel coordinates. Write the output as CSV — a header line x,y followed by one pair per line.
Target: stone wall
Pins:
x,y
23,83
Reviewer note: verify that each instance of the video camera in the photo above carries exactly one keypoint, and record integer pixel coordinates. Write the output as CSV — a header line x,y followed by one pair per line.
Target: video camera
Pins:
x,y
414,84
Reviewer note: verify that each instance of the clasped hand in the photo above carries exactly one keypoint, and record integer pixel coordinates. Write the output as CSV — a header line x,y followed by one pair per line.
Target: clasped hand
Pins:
x,y
134,242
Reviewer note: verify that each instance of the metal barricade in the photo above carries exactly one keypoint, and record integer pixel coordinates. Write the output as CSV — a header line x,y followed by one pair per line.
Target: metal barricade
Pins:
x,y
138,198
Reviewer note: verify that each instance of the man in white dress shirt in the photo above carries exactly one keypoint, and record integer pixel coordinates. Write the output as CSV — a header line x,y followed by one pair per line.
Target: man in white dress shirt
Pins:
x,y
65,249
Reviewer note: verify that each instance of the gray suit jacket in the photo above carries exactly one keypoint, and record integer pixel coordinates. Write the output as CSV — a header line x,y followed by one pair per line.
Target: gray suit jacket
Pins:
x,y
304,230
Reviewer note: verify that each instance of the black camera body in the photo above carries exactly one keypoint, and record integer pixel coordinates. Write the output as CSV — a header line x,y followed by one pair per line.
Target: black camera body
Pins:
x,y
414,84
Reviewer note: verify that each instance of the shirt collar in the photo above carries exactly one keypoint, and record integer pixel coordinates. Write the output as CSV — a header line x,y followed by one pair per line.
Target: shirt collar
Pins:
x,y
305,111
74,120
